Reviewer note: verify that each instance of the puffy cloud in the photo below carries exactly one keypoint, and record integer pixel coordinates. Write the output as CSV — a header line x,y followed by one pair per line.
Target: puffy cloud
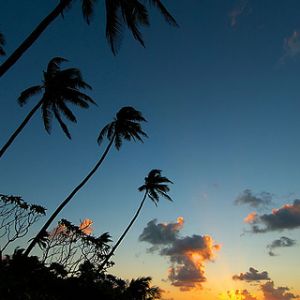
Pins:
x,y
187,255
280,243
251,218
86,226
252,275
161,234
286,217
253,200
237,295
280,293
235,13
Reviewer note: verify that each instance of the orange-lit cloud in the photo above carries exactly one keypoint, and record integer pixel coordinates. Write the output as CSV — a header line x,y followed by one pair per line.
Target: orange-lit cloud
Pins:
x,y
187,255
61,229
280,293
286,217
86,226
237,295
251,217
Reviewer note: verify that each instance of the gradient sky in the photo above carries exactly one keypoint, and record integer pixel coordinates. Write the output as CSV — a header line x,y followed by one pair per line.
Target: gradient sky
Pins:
x,y
221,96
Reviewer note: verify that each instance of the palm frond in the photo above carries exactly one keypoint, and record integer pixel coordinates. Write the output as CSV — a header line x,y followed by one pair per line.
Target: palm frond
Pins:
x,y
134,14
113,24
54,64
118,141
66,111
168,17
26,94
78,98
61,123
47,116
103,133
87,7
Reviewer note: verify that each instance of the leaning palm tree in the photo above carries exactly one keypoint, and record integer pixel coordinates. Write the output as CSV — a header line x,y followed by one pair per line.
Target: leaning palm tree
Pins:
x,y
125,126
119,14
155,186
58,87
2,43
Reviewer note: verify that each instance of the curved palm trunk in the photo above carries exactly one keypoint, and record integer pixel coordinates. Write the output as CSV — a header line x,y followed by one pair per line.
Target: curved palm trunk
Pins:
x,y
68,199
124,233
19,129
13,58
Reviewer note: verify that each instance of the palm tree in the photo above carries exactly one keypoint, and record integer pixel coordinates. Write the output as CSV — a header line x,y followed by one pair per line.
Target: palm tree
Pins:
x,y
119,14
140,289
154,187
2,43
58,87
125,126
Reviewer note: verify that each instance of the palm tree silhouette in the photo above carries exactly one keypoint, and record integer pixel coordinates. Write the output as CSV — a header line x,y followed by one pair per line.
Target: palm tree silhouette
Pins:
x,y
126,125
119,14
140,289
59,87
154,187
2,43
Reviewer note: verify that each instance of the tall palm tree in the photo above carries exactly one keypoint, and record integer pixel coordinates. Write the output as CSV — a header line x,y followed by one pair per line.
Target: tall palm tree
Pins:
x,y
125,126
155,186
119,14
58,87
2,43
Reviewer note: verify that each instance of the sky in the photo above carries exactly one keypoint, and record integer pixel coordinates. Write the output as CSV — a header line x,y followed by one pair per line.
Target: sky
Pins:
x,y
221,97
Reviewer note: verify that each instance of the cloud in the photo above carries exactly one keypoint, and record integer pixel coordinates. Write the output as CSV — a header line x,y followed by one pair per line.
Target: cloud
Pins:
x,y
280,293
237,295
161,234
187,255
291,47
252,275
86,226
236,12
258,200
280,243
251,218
286,217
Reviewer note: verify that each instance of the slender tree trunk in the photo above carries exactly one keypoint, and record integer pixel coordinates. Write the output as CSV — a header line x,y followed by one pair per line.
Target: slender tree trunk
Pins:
x,y
13,58
124,233
68,199
19,129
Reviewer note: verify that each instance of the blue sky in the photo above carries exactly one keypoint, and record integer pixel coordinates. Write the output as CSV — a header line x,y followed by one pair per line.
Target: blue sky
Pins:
x,y
221,96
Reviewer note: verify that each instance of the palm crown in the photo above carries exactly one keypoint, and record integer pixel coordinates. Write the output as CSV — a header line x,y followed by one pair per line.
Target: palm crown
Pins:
x,y
126,125
60,87
125,13
156,186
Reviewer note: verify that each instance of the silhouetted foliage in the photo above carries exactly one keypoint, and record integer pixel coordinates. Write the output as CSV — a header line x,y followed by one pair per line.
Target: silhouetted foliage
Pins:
x,y
16,217
154,187
23,277
59,87
70,246
126,125
119,14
